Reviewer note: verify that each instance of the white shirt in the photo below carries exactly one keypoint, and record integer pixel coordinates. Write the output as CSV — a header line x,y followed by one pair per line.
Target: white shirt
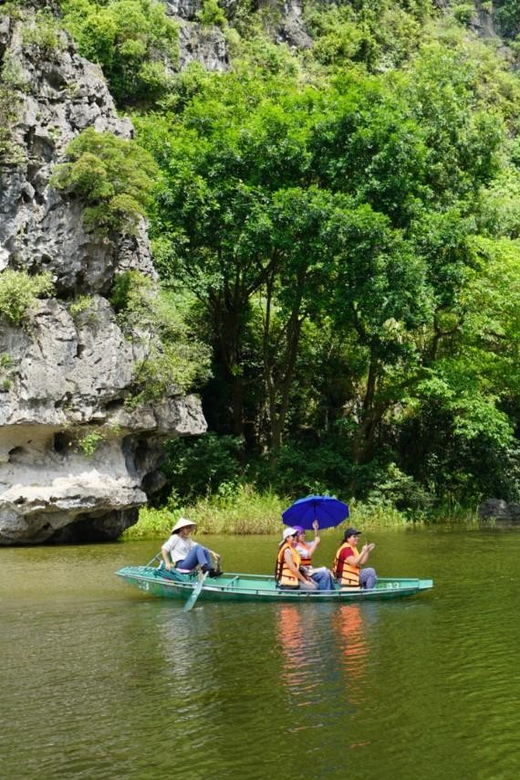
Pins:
x,y
178,547
303,550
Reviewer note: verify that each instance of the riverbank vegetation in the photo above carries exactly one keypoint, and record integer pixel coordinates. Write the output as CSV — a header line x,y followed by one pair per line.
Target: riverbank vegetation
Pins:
x,y
248,512
341,223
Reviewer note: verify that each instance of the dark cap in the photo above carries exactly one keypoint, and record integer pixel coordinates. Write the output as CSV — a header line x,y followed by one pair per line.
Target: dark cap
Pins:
x,y
351,532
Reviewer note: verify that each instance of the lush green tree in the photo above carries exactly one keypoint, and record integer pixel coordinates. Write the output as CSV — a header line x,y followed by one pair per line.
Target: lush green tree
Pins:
x,y
332,218
223,220
130,39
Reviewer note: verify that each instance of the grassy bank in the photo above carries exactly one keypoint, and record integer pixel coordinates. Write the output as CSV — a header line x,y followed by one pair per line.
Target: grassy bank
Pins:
x,y
248,512
245,512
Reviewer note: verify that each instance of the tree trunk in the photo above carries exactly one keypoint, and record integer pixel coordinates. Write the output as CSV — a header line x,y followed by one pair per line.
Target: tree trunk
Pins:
x,y
278,384
364,446
228,317
238,405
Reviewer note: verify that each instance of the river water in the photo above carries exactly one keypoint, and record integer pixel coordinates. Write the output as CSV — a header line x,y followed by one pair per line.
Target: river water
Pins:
x,y
99,680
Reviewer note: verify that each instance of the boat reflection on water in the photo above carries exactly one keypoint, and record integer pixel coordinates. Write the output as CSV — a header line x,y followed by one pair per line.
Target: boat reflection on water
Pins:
x,y
302,639
293,626
328,647
353,645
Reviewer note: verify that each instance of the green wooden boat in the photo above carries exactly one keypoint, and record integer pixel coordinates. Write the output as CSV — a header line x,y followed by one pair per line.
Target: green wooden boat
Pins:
x,y
258,587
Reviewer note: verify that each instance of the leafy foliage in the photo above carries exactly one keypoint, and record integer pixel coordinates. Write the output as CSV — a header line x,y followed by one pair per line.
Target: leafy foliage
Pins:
x,y
340,225
336,225
113,176
211,14
175,358
43,34
89,442
202,465
19,291
130,39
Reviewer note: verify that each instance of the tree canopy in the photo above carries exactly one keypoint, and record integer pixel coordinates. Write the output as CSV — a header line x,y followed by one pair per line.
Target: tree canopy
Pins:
x,y
342,224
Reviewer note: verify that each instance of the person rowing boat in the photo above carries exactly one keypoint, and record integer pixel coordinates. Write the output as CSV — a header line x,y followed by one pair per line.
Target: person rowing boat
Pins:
x,y
184,554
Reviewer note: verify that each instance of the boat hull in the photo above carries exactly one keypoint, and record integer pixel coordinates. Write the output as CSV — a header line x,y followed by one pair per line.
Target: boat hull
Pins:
x,y
257,587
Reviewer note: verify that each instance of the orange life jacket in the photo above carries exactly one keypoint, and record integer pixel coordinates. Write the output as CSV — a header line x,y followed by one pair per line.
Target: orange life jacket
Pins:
x,y
348,575
283,574
305,558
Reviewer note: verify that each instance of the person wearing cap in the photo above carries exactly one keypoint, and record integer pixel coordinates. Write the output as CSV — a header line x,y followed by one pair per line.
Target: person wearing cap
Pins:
x,y
321,576
287,572
182,553
348,562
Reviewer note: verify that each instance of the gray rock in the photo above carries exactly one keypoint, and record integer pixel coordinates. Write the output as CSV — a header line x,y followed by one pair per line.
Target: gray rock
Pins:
x,y
493,507
75,462
291,28
498,509
206,45
514,511
40,227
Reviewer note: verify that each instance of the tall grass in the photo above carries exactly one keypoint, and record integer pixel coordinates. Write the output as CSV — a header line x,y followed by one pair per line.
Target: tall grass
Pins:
x,y
243,512
246,511
455,514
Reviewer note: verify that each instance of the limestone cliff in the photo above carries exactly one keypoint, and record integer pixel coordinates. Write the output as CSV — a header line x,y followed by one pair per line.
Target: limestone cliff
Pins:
x,y
208,44
75,461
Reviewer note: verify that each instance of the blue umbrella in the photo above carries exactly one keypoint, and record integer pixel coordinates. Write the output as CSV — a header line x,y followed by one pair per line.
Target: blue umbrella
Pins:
x,y
327,510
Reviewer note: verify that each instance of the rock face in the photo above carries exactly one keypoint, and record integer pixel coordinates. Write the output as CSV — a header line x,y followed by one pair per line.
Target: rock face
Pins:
x,y
75,462
199,43
208,44
498,509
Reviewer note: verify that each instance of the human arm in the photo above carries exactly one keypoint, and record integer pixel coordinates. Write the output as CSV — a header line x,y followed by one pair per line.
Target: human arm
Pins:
x,y
311,549
361,558
215,555
166,558
166,550
295,570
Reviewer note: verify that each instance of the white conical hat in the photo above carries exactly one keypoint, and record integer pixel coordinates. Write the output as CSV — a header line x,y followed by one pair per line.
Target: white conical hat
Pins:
x,y
182,522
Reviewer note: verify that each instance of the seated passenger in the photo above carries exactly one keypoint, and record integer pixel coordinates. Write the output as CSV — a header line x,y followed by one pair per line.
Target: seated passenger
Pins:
x,y
287,571
348,562
321,576
182,553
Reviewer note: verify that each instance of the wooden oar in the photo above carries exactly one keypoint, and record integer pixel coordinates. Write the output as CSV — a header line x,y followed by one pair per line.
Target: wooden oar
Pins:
x,y
195,593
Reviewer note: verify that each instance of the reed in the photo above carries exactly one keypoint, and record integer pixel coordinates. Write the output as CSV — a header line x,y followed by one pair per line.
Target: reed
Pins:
x,y
244,510
455,514
369,515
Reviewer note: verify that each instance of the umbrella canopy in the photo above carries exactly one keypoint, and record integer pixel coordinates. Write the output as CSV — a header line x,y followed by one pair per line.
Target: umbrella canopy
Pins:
x,y
328,511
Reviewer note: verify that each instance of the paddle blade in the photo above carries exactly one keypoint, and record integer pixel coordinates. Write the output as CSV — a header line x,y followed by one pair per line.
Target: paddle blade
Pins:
x,y
195,593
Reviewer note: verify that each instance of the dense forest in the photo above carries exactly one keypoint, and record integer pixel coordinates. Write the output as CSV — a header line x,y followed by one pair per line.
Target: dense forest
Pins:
x,y
336,227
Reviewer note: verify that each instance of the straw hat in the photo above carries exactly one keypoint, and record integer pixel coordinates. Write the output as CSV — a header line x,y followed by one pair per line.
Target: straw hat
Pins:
x,y
182,522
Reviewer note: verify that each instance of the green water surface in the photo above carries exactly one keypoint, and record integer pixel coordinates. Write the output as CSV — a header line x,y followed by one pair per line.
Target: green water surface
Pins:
x,y
99,680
